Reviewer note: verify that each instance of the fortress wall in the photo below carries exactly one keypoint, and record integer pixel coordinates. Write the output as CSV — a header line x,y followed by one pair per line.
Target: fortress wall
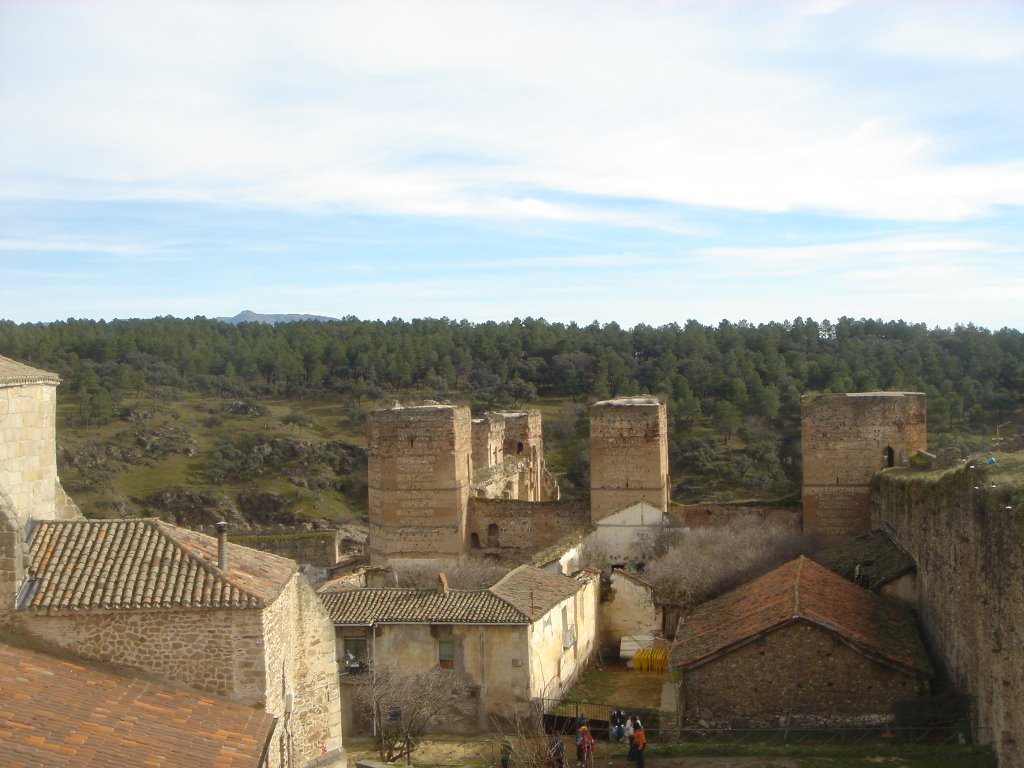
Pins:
x,y
712,515
525,525
419,470
488,441
845,440
970,567
628,454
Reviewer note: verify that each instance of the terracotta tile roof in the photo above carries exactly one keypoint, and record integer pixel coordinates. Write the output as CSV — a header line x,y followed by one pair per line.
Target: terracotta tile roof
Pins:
x,y
802,590
533,591
14,373
62,714
419,606
880,558
125,564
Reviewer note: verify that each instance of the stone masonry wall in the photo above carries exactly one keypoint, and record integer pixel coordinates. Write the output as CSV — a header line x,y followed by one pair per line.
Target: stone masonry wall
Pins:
x,y
795,674
712,515
846,439
28,451
525,526
628,454
420,466
218,651
488,441
299,658
969,550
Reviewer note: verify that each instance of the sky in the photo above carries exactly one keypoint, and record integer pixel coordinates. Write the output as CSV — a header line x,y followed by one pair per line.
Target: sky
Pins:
x,y
648,161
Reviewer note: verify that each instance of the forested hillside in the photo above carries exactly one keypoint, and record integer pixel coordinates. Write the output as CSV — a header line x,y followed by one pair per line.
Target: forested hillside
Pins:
x,y
218,395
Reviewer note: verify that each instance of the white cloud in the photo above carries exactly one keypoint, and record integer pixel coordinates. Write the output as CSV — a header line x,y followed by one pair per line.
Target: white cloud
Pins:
x,y
474,109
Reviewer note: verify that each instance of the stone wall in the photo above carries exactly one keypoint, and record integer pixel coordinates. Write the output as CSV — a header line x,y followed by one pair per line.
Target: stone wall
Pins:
x,y
713,515
13,556
523,527
799,674
969,550
299,659
488,441
218,651
628,454
318,548
28,451
846,439
420,466
628,609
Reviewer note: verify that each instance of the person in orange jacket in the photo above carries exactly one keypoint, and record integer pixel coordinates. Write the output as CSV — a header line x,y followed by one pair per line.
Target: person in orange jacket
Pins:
x,y
640,743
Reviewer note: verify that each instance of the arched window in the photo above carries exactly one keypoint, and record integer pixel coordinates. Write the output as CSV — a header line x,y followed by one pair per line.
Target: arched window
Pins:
x,y
492,535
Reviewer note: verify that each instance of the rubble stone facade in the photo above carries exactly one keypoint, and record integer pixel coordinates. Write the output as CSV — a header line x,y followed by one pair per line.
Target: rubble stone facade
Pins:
x,y
846,439
628,454
798,674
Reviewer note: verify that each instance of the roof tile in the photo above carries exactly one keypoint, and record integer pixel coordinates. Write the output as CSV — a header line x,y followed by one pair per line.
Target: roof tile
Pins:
x,y
128,564
802,590
61,713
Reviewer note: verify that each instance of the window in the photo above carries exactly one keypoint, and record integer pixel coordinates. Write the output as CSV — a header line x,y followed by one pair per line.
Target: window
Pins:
x,y
446,654
355,656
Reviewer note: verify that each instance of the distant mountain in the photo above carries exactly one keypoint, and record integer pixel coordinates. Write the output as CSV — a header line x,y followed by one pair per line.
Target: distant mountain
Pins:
x,y
247,316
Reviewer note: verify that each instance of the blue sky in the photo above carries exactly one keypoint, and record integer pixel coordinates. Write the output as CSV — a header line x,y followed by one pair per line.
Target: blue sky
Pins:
x,y
638,162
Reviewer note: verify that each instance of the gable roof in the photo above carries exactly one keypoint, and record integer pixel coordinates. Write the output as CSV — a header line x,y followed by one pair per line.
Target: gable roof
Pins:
x,y
57,713
534,591
13,373
880,558
147,563
801,590
364,607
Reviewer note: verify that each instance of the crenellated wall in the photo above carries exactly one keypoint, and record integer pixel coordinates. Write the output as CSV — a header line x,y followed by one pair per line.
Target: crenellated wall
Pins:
x,y
969,549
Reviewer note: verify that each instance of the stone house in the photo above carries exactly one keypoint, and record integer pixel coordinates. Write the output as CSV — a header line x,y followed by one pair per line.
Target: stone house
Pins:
x,y
797,646
59,713
526,637
218,617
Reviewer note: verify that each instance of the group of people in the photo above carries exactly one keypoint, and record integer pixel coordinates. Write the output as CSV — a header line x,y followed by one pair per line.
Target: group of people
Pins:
x,y
619,726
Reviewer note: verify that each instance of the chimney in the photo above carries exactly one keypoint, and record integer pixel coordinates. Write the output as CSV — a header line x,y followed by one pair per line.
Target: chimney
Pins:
x,y
222,545
442,583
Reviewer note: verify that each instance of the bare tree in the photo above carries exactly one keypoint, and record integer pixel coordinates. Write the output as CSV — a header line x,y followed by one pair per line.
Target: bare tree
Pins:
x,y
404,704
705,562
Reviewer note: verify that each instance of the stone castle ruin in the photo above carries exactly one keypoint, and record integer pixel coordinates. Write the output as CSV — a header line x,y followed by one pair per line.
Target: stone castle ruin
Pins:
x,y
433,469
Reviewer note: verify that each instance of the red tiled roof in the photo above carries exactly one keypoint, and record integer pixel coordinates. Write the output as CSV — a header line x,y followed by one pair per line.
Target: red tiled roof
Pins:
x,y
534,591
802,590
62,714
419,606
125,564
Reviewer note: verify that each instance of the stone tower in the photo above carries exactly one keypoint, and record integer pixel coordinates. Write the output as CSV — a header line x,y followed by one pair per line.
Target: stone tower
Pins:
x,y
29,486
628,454
846,438
420,468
